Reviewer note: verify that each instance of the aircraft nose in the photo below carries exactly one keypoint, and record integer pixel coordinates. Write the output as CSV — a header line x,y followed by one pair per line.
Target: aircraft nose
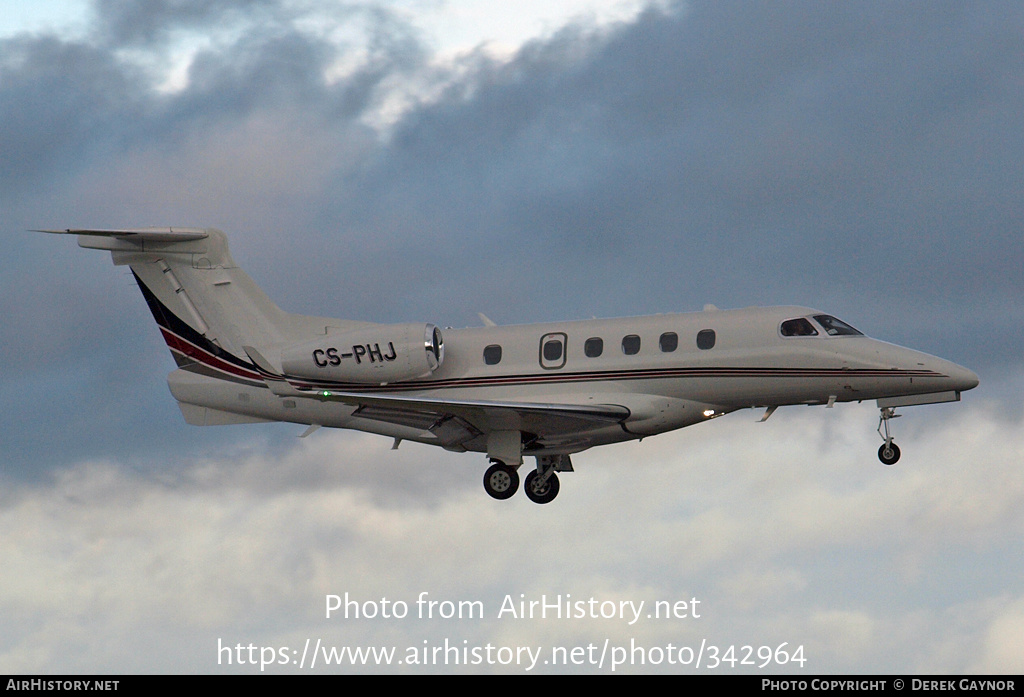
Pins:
x,y
953,376
962,378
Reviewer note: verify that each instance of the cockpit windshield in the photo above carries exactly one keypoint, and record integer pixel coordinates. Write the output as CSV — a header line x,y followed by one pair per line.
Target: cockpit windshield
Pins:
x,y
802,326
798,327
836,327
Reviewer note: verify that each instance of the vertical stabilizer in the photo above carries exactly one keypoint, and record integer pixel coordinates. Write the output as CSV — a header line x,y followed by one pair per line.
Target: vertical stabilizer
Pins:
x,y
207,308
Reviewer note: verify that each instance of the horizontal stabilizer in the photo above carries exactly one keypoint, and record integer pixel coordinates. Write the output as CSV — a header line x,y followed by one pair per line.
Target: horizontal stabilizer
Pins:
x,y
164,235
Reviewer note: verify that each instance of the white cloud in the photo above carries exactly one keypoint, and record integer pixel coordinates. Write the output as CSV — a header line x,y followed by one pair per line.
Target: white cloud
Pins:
x,y
43,15
110,569
1003,650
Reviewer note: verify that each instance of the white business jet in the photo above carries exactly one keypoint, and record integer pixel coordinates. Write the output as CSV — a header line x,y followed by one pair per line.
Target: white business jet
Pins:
x,y
542,390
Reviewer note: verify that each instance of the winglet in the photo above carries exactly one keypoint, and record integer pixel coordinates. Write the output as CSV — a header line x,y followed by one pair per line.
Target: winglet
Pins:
x,y
261,363
271,376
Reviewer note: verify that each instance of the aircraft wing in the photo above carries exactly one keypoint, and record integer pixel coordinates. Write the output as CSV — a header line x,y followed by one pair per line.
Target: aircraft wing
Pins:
x,y
455,422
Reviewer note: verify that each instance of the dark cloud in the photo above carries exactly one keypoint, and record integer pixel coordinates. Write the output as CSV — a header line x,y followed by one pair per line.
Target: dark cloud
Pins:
x,y
826,153
60,103
127,22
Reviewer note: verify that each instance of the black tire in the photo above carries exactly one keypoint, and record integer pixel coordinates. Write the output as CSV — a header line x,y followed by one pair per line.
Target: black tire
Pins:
x,y
501,481
544,493
890,454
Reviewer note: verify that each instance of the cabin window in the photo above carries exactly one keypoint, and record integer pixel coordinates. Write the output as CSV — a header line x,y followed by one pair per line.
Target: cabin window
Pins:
x,y
836,327
631,345
798,327
668,342
593,347
553,350
492,354
706,339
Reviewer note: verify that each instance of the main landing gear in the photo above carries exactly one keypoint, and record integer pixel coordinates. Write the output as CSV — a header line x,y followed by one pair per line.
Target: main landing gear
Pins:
x,y
542,488
501,481
889,453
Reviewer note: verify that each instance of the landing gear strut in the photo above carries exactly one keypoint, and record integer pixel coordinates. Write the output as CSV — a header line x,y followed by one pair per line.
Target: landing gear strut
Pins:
x,y
889,453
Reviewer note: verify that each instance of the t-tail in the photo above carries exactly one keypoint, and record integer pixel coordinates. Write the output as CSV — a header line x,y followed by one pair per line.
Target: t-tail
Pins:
x,y
216,321
207,308
227,337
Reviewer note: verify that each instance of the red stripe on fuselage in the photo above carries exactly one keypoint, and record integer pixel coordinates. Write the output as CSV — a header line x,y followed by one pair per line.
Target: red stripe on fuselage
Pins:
x,y
187,348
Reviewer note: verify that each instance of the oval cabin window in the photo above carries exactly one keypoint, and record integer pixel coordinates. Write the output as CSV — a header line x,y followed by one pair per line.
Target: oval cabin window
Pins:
x,y
492,354
706,339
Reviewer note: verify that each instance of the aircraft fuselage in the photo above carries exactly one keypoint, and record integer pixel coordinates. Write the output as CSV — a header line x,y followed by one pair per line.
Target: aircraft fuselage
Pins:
x,y
653,366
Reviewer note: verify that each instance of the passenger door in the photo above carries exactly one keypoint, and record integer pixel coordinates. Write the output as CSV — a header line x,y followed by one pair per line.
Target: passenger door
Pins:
x,y
553,350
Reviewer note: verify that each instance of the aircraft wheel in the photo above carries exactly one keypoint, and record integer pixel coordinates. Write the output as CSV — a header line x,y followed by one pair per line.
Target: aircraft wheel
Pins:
x,y
889,454
501,481
541,493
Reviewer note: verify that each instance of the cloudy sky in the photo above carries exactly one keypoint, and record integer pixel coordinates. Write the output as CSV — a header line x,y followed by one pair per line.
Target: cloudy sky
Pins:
x,y
425,160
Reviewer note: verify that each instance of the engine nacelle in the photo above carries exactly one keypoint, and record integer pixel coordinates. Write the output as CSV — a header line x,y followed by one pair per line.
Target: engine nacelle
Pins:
x,y
379,354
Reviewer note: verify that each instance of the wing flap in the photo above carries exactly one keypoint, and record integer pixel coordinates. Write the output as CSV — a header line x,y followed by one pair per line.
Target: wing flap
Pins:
x,y
450,430
455,422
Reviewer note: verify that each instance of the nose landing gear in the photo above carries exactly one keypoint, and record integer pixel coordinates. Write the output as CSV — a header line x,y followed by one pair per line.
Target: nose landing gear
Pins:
x,y
889,453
